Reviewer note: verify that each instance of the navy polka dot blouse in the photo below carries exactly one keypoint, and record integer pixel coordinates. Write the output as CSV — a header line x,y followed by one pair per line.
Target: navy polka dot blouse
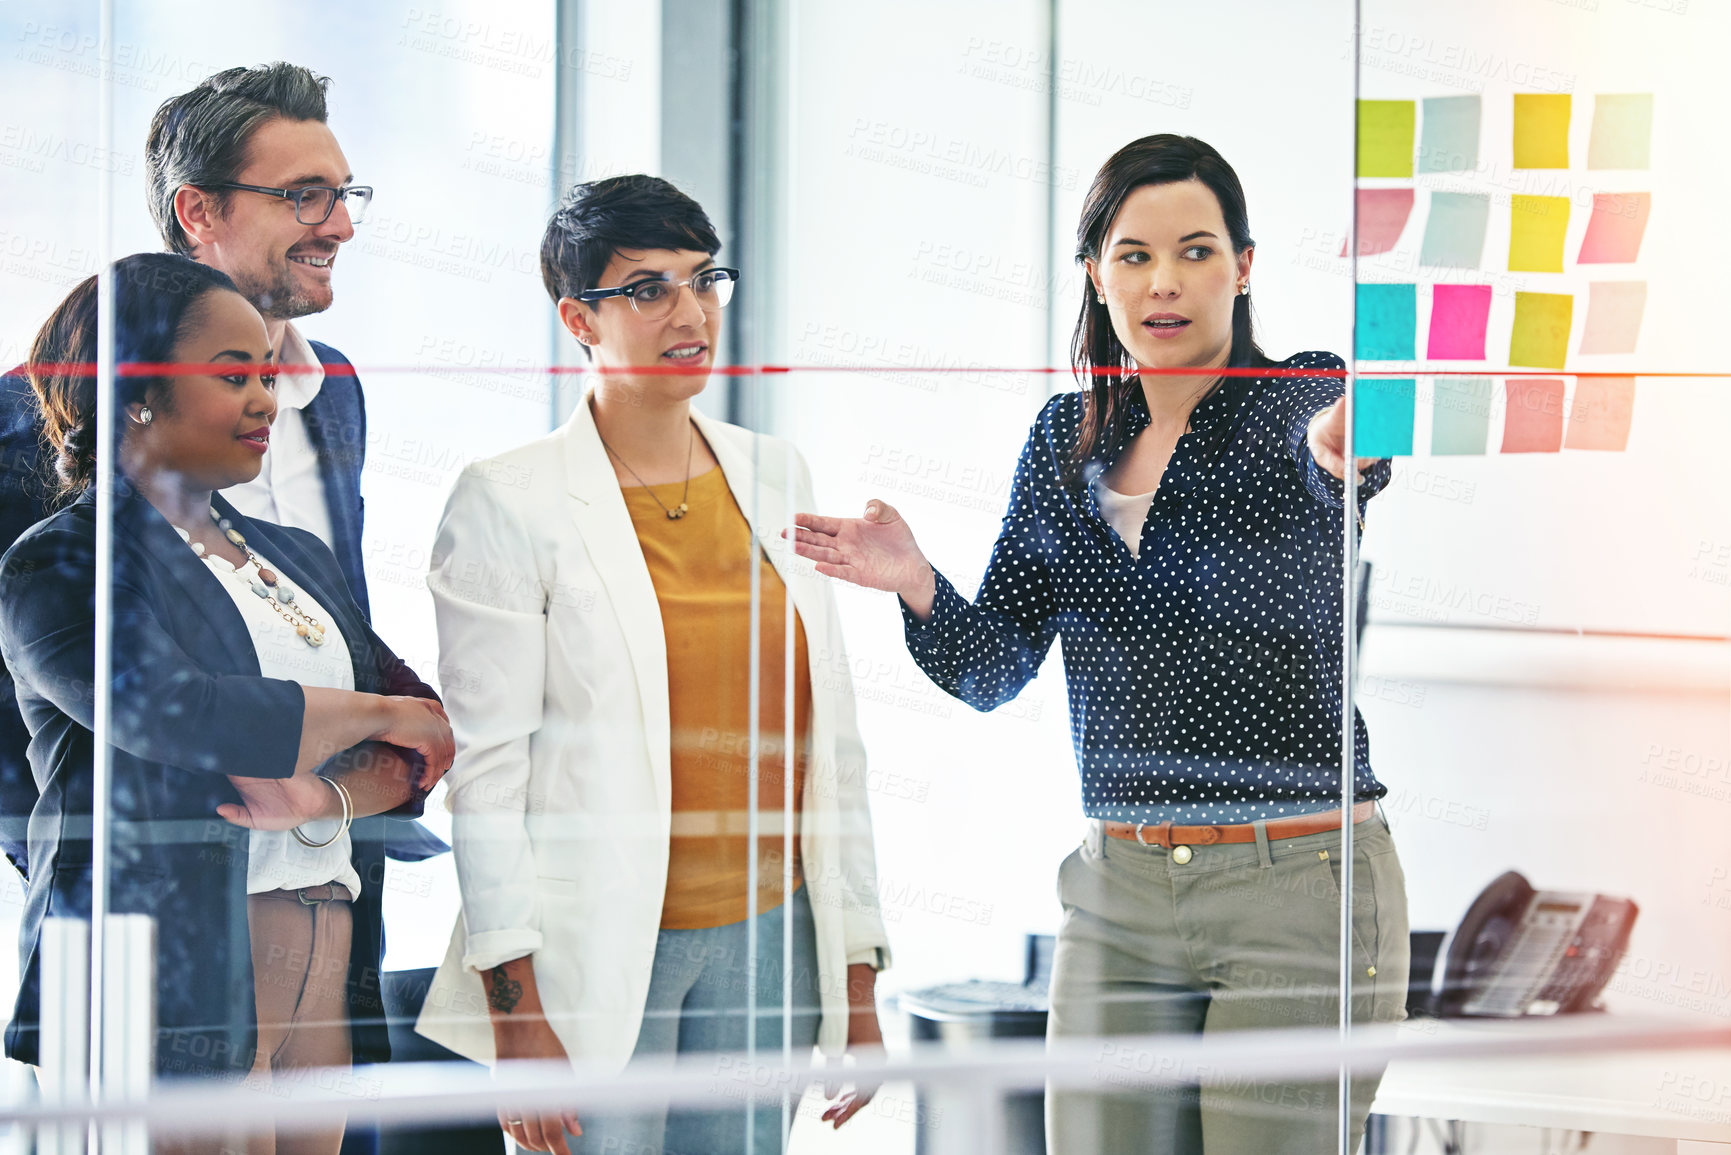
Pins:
x,y
1204,677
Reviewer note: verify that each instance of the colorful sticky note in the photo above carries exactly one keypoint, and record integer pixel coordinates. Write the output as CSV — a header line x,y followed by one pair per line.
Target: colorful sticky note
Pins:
x,y
1382,411
1454,234
1614,311
1600,415
1458,315
1622,131
1541,130
1460,415
1615,229
1385,132
1537,226
1451,134
1533,419
1541,333
1387,322
1382,214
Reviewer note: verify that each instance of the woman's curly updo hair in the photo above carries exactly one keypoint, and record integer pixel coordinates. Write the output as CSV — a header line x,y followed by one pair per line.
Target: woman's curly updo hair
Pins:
x,y
155,297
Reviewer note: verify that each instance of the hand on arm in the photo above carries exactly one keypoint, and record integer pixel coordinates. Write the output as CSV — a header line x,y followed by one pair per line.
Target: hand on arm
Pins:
x,y
521,1031
370,739
864,1040
876,551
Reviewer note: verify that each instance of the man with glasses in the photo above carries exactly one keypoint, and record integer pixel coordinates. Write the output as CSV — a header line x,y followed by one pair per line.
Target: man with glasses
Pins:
x,y
245,176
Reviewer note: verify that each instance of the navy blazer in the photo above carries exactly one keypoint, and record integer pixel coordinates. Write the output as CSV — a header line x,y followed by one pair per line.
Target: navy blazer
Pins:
x,y
336,424
189,706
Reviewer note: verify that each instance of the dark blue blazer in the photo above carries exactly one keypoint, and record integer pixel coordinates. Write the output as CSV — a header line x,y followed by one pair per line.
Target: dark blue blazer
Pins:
x,y
189,707
336,424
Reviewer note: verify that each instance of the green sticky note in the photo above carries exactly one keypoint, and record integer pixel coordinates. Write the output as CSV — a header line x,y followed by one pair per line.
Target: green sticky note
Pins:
x,y
1387,322
1382,416
1385,134
1541,130
1622,131
1451,134
1537,226
1460,415
1454,234
1541,334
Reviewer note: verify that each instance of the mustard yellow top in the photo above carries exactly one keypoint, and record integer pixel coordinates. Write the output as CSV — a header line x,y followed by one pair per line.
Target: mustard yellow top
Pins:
x,y
700,565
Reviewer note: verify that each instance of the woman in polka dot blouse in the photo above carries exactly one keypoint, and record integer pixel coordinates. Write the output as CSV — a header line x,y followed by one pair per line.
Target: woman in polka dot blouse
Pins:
x,y
1182,534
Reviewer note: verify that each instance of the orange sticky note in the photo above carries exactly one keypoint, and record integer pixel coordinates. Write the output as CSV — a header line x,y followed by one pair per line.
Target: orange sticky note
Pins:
x,y
1541,130
1600,415
1537,226
1533,421
1541,335
1615,229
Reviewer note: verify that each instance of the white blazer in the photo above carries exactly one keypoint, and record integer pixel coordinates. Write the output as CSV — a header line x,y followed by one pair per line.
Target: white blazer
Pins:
x,y
554,670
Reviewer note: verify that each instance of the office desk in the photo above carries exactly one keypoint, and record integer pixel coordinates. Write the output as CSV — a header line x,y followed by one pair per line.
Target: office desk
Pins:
x,y
1683,1095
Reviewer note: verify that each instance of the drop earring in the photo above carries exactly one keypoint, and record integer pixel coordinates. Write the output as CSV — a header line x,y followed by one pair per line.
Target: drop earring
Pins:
x,y
1244,289
145,416
1100,297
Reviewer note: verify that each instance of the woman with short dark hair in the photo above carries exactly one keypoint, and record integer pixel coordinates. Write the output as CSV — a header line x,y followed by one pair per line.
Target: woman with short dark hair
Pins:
x,y
1180,528
599,586
246,686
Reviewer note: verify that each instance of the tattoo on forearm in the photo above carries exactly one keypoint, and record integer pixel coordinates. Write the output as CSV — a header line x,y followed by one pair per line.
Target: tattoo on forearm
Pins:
x,y
503,991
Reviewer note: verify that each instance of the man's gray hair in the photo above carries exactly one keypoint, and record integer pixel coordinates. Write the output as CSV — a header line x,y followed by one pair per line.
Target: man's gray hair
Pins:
x,y
201,137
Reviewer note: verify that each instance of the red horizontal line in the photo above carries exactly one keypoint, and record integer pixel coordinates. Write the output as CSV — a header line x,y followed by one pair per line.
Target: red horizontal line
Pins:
x,y
229,368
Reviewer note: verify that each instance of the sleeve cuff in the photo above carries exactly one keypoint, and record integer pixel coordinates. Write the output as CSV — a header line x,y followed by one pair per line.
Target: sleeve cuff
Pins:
x,y
490,948
876,957
947,606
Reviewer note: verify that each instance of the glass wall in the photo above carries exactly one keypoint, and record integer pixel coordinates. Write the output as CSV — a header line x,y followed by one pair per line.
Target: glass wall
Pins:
x,y
817,729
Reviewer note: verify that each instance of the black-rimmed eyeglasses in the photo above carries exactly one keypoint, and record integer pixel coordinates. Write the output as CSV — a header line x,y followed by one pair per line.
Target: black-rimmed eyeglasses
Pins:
x,y
315,202
653,299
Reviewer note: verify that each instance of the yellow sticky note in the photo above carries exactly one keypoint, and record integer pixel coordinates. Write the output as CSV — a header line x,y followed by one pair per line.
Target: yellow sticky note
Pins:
x,y
1541,335
1385,137
1541,130
1536,229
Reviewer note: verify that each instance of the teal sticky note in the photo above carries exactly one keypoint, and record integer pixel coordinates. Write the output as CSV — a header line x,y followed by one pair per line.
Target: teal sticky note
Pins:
x,y
1387,322
1454,233
1460,415
1382,416
1450,142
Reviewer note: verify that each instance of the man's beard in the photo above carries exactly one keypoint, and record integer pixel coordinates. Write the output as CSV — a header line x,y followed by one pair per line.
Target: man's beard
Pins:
x,y
277,298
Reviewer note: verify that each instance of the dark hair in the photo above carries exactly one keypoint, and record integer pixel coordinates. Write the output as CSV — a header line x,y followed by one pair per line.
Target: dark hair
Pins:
x,y
597,219
201,137
155,295
1162,159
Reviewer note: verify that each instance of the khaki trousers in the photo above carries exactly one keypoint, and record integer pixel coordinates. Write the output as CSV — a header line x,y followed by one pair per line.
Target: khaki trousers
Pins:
x,y
300,965
1242,936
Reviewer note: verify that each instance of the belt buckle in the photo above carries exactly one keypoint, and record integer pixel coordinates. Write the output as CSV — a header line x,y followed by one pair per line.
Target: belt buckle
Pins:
x,y
305,901
1139,837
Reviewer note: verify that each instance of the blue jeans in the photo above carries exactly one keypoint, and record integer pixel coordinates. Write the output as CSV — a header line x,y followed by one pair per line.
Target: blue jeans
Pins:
x,y
697,1006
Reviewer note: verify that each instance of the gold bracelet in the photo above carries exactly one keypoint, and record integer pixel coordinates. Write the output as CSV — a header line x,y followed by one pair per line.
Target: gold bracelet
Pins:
x,y
348,817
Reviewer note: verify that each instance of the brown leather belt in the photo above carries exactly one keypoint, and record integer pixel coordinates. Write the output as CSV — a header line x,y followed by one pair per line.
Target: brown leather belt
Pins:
x,y
311,895
1167,835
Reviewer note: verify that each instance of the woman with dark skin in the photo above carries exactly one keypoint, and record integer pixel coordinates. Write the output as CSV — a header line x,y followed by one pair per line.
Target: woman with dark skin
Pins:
x,y
1181,529
245,685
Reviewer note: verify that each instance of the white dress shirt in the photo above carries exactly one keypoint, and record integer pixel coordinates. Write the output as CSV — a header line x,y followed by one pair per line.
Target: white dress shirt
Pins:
x,y
289,489
275,859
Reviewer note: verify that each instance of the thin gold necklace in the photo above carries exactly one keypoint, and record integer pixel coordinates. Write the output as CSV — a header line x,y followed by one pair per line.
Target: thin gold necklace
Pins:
x,y
682,508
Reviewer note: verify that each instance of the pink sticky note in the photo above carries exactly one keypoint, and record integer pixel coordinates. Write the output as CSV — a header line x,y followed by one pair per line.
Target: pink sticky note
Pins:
x,y
1614,232
1458,314
1382,214
1600,415
1533,420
